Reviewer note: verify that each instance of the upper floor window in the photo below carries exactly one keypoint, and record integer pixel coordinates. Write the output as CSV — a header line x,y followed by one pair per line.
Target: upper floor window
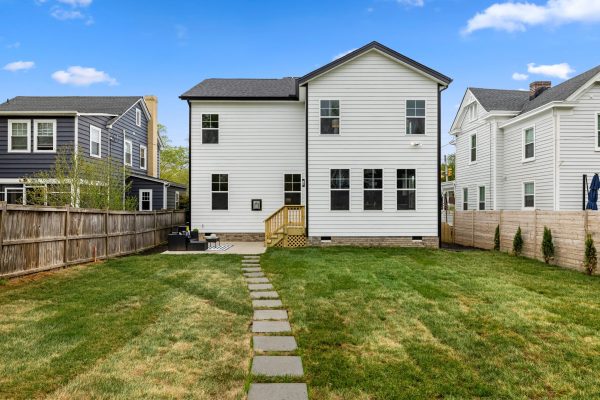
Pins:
x,y
143,157
407,189
220,191
292,189
128,153
482,198
529,195
95,141
330,117
210,128
340,189
473,148
415,117
18,136
528,144
138,117
465,199
373,185
44,136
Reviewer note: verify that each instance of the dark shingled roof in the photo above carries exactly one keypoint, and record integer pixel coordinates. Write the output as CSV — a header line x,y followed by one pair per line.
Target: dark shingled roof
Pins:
x,y
518,100
284,88
113,105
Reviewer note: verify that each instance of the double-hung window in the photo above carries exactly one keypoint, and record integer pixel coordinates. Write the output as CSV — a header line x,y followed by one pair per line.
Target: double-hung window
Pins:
x,y
373,189
407,189
529,195
528,144
138,117
482,198
292,189
220,192
95,142
128,153
145,199
415,117
44,136
340,189
473,148
210,128
330,117
143,157
465,199
18,136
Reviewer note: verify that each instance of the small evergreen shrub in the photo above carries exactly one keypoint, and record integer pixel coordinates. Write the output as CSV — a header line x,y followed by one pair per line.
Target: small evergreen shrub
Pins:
x,y
547,245
497,238
591,257
518,243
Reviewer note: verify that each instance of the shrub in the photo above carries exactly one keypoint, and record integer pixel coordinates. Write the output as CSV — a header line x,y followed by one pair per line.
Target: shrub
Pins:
x,y
591,257
497,238
547,245
518,243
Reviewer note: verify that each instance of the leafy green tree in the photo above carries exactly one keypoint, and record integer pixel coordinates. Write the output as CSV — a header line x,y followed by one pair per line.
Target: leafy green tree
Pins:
x,y
591,256
497,238
174,160
518,242
547,245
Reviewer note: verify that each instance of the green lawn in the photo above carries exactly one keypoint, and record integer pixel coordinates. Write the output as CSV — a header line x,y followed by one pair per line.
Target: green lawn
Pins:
x,y
138,327
424,324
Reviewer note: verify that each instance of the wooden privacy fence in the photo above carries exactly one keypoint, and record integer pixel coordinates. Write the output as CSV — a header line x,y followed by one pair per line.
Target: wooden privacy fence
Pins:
x,y
569,230
34,239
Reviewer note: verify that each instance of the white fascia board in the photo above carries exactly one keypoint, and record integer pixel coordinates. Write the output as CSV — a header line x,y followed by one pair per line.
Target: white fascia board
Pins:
x,y
584,87
36,113
537,111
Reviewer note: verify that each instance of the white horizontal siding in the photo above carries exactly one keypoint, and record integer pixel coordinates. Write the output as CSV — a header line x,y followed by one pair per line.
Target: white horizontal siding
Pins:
x,y
372,91
258,143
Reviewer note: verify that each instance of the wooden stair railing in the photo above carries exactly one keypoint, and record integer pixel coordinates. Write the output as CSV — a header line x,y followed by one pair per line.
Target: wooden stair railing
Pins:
x,y
287,221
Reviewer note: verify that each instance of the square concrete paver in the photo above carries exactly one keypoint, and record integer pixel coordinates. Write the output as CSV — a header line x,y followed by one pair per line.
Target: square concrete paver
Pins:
x,y
254,274
278,391
277,366
264,295
261,315
266,303
274,343
270,326
257,280
260,286
252,269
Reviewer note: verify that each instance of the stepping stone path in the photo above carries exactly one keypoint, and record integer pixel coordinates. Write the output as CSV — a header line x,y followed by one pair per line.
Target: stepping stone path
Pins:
x,y
271,340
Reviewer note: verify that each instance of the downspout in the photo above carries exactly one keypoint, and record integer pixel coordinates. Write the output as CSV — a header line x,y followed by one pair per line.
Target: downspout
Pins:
x,y
439,165
190,163
306,154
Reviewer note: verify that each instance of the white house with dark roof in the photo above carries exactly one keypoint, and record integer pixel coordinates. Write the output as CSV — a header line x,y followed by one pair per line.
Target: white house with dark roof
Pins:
x,y
528,149
355,144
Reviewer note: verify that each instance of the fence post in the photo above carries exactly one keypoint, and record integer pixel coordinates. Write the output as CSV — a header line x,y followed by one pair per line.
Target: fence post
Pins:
x,y
135,235
67,230
472,228
106,234
586,226
535,241
155,229
2,223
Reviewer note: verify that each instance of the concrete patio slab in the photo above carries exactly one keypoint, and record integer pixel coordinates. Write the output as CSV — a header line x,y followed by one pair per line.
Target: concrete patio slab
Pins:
x,y
254,274
270,326
264,295
263,315
274,343
257,280
266,303
278,391
277,366
260,286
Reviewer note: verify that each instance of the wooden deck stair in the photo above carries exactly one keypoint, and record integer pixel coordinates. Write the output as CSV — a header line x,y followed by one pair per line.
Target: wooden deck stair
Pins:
x,y
286,227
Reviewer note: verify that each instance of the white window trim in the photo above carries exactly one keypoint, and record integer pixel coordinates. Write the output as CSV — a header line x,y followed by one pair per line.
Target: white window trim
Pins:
x,y
22,189
19,121
138,117
293,191
406,117
338,117
523,159
414,190
140,198
125,142
523,195
465,199
471,161
339,190
35,135
176,200
219,191
596,131
95,128
217,129
479,198
381,190
145,166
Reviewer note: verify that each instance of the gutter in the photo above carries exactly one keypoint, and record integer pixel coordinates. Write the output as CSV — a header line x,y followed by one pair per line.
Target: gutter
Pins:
x,y
537,111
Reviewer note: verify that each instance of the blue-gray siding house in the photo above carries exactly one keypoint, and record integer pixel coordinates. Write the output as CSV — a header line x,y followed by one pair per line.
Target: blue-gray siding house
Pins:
x,y
119,127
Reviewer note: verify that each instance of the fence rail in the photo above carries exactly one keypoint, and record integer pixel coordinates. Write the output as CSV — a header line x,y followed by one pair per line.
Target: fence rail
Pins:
x,y
569,230
35,239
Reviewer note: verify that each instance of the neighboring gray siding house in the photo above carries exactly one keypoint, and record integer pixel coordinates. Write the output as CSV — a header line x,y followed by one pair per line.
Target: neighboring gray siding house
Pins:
x,y
519,150
356,142
123,128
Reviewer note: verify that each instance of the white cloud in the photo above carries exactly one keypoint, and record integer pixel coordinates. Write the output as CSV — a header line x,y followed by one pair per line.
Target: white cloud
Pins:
x,y
81,76
76,3
561,71
19,66
513,17
412,3
519,77
64,15
342,54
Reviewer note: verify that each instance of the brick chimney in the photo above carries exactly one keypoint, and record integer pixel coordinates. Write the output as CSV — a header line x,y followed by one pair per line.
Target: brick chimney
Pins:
x,y
152,104
536,88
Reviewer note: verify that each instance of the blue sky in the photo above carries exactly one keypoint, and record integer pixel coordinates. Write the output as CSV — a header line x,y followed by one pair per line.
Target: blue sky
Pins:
x,y
126,47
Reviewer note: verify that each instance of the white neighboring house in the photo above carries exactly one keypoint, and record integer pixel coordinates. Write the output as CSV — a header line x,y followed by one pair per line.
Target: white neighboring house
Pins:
x,y
520,150
357,142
